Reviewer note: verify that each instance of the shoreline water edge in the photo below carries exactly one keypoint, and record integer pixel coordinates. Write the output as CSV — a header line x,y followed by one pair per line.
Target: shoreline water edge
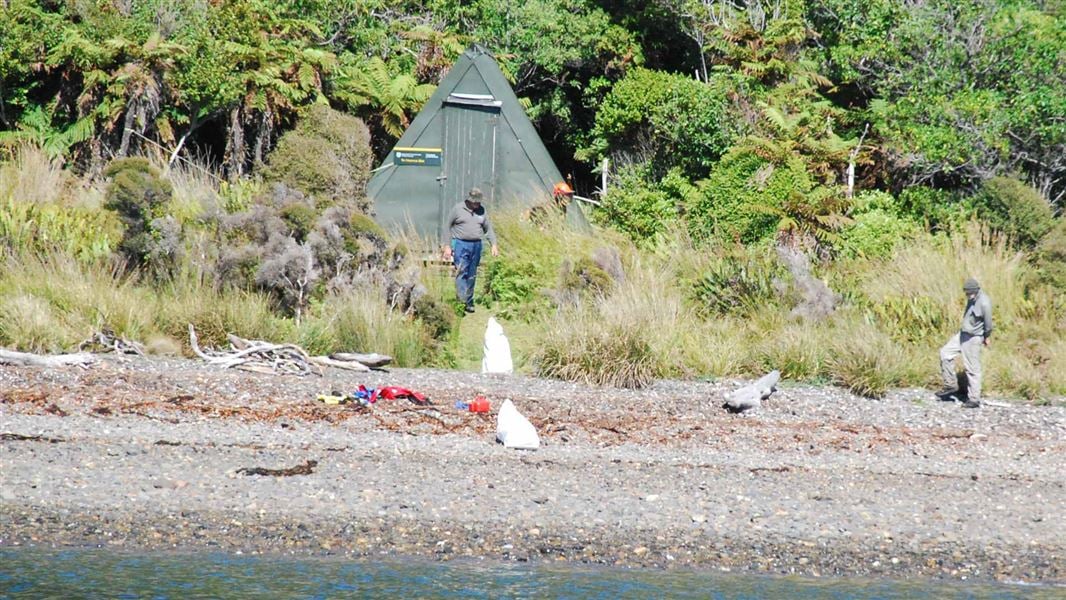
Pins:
x,y
178,455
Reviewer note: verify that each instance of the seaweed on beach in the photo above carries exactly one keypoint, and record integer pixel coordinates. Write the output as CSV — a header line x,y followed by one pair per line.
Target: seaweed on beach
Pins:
x,y
305,469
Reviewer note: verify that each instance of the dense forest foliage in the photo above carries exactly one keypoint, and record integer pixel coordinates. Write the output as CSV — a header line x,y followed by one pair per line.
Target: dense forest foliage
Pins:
x,y
773,136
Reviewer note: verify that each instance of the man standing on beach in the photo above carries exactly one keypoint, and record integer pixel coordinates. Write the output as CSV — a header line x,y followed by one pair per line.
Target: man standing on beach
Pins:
x,y
467,224
974,333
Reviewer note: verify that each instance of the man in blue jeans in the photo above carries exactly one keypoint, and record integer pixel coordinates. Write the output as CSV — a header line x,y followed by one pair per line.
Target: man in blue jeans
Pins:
x,y
467,224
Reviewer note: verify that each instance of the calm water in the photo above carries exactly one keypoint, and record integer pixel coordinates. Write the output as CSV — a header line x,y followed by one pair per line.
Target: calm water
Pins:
x,y
108,574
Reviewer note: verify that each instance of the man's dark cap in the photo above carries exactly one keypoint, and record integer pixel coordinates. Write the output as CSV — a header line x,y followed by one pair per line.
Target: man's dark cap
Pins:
x,y
971,285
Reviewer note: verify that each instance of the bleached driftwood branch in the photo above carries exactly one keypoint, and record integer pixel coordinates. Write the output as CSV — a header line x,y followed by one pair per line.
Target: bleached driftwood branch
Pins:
x,y
266,357
752,395
258,356
25,359
349,365
373,360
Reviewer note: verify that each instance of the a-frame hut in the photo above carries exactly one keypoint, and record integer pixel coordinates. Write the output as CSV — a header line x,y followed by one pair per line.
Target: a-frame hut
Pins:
x,y
471,133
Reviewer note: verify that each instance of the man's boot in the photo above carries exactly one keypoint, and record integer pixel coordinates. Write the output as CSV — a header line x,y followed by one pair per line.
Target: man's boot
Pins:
x,y
947,393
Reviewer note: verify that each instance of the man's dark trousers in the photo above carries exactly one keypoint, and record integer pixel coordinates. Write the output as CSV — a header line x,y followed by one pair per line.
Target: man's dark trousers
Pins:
x,y
467,256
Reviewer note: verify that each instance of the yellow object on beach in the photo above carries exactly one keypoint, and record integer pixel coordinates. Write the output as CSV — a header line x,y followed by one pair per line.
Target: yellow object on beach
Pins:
x,y
328,399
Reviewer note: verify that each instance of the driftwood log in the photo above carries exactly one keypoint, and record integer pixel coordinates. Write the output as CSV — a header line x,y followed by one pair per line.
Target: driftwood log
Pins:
x,y
349,365
265,357
11,357
373,360
752,395
257,356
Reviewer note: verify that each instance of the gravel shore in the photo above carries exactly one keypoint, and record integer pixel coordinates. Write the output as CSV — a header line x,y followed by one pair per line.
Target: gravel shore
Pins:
x,y
148,454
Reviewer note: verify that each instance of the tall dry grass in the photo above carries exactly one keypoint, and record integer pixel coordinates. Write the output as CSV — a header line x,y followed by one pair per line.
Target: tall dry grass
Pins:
x,y
33,177
640,331
52,303
364,322
896,314
57,287
650,324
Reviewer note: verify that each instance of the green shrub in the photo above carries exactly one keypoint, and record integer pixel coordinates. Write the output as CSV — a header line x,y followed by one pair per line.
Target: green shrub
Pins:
x,y
348,135
140,197
1051,256
877,227
875,234
360,223
326,156
911,318
517,285
307,164
436,316
300,218
1011,207
939,209
238,196
637,207
27,228
678,121
744,198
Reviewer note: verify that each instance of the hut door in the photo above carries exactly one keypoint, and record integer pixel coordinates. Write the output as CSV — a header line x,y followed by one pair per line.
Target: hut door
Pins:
x,y
470,156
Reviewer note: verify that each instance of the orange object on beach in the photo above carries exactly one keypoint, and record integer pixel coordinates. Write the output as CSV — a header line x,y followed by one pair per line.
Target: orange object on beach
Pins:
x,y
480,404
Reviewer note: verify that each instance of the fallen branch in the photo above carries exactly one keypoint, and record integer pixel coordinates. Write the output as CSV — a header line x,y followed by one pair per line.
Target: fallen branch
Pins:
x,y
326,361
265,357
373,360
25,359
257,356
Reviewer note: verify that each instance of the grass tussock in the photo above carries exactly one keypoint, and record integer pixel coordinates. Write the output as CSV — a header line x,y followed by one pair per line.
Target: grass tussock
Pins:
x,y
593,351
797,349
864,360
363,322
627,338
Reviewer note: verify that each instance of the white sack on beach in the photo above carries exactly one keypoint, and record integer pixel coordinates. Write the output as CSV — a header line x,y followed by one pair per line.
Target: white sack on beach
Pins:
x,y
514,430
497,358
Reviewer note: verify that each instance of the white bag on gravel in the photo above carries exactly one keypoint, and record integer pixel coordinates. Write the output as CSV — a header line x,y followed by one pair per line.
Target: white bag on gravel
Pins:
x,y
497,357
514,430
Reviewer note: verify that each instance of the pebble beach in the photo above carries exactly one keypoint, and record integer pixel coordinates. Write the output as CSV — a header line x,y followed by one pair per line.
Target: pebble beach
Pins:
x,y
168,454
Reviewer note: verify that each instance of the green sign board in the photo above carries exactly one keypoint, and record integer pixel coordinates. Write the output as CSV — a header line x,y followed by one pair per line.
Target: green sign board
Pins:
x,y
419,157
